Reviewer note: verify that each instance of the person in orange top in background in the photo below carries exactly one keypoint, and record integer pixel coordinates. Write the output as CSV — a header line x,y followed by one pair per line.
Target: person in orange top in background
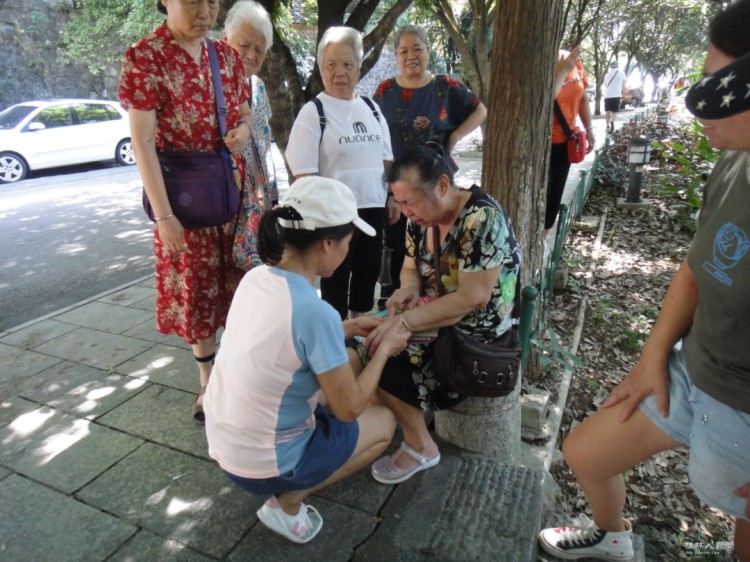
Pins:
x,y
570,93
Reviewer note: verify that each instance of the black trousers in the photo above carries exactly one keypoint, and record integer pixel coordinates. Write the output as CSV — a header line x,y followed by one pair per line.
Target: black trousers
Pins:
x,y
559,167
395,239
352,285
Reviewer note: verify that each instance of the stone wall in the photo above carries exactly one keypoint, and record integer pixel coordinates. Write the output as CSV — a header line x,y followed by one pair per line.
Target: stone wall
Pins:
x,y
30,32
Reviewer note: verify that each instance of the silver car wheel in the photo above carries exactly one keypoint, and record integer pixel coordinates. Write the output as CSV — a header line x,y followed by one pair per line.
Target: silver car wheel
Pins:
x,y
12,168
124,153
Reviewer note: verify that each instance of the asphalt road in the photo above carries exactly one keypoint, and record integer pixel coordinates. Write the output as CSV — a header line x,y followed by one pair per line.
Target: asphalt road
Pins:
x,y
67,235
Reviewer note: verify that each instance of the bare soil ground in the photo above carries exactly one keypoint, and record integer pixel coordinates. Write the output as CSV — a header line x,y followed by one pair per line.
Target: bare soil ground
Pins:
x,y
639,254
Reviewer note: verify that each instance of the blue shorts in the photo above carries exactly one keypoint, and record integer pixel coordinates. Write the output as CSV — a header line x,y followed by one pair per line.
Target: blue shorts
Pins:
x,y
331,445
718,437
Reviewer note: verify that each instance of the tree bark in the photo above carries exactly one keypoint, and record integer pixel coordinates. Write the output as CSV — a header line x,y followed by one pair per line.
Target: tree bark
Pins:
x,y
517,144
285,90
476,61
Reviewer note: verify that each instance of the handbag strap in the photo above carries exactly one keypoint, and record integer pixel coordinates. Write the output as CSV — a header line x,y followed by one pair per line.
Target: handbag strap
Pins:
x,y
563,122
436,259
221,104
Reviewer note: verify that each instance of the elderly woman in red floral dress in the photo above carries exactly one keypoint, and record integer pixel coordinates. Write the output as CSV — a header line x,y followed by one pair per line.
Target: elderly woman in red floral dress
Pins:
x,y
167,88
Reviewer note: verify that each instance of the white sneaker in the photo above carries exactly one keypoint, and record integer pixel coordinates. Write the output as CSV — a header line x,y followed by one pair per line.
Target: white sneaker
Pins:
x,y
587,541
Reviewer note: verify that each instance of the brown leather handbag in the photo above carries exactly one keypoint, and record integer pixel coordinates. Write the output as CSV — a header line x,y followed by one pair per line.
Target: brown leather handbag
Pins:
x,y
472,367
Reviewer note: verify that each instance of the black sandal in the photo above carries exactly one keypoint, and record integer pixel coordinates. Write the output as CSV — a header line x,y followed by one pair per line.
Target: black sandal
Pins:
x,y
196,409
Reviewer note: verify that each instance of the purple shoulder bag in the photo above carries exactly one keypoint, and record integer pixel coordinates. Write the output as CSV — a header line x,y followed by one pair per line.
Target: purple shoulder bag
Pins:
x,y
201,186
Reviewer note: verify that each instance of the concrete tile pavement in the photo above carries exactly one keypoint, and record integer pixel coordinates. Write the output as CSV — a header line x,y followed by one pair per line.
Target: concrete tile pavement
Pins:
x,y
100,461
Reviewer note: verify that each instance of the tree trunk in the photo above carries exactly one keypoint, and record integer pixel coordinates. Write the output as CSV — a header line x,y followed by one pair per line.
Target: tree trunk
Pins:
x,y
517,144
475,62
285,93
516,155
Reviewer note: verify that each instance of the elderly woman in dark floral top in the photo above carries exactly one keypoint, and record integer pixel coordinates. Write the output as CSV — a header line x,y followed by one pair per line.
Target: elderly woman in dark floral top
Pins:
x,y
167,89
421,107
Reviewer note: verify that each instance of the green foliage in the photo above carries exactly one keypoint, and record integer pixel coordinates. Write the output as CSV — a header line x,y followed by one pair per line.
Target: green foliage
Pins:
x,y
691,157
302,43
630,340
142,20
37,22
603,308
101,30
662,38
611,175
551,352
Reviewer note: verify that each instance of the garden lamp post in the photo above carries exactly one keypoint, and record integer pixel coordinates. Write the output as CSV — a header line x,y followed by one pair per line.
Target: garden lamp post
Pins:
x,y
639,154
663,115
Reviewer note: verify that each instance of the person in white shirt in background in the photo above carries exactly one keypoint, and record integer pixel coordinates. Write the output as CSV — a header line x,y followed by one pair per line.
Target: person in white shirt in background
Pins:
x,y
614,89
355,149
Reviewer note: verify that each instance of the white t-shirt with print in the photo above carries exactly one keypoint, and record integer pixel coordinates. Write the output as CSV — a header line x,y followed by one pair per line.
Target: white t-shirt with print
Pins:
x,y
352,151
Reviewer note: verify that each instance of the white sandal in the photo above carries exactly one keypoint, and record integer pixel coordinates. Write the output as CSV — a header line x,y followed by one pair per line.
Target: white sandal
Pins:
x,y
385,471
300,528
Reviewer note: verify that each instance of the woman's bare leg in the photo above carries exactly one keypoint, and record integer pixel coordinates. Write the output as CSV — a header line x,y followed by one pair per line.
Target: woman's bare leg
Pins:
x,y
376,427
414,427
601,449
204,348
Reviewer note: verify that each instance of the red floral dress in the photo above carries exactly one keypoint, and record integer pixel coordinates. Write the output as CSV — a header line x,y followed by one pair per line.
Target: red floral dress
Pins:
x,y
193,288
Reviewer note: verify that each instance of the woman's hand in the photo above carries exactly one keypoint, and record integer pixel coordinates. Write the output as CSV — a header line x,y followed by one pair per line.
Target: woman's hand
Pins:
x,y
361,326
389,338
376,336
236,138
402,299
649,376
590,140
171,235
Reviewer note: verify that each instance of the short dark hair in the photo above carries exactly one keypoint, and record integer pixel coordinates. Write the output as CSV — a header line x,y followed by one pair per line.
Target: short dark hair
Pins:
x,y
728,31
161,7
427,162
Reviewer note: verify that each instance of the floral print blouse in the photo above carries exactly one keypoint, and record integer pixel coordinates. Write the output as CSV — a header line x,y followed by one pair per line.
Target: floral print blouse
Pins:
x,y
481,238
158,74
416,116
261,110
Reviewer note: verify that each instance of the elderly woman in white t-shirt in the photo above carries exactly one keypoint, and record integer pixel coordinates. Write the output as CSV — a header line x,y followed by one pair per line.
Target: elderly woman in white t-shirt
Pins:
x,y
353,146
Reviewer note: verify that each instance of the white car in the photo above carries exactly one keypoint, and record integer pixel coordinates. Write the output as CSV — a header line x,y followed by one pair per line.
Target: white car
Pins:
x,y
44,134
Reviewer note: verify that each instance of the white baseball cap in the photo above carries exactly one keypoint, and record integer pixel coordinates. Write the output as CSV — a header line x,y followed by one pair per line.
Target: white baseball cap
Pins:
x,y
322,203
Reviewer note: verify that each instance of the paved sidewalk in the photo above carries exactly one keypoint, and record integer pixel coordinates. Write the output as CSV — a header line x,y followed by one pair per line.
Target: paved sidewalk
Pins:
x,y
100,461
